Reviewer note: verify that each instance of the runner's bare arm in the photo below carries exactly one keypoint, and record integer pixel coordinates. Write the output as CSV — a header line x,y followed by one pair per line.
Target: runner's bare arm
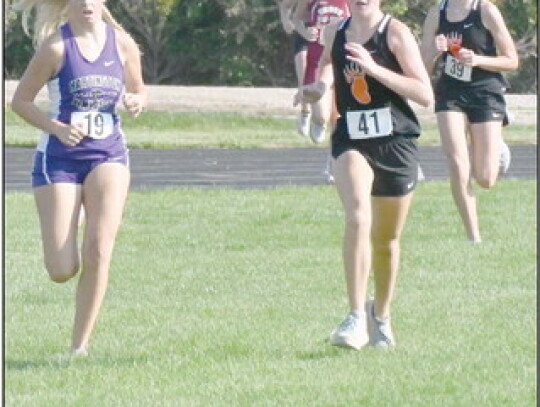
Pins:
x,y
313,92
299,18
507,58
326,75
42,67
285,14
136,98
429,50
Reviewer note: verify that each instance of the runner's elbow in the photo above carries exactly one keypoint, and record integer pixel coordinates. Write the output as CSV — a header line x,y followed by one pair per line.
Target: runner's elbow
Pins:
x,y
16,105
425,97
514,63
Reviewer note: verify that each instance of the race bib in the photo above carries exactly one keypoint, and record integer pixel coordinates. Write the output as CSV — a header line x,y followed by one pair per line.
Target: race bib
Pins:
x,y
457,70
96,125
366,124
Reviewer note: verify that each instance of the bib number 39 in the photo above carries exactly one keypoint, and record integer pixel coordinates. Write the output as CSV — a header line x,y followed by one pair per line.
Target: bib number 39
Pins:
x,y
96,125
457,70
369,123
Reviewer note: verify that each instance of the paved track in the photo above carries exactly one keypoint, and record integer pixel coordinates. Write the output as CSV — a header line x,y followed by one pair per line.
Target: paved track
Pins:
x,y
244,168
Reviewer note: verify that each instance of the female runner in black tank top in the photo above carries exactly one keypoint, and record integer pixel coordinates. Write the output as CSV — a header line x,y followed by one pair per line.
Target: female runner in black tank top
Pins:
x,y
475,46
374,63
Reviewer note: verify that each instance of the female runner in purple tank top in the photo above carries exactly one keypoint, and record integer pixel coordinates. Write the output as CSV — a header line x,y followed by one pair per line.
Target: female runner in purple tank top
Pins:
x,y
88,63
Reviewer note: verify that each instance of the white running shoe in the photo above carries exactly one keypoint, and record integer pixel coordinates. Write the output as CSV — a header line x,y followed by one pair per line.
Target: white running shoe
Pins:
x,y
317,132
380,331
509,118
79,353
302,123
66,358
329,177
351,333
82,217
421,177
506,158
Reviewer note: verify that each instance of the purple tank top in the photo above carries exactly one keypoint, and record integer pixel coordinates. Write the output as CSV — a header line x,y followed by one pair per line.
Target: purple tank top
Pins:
x,y
87,92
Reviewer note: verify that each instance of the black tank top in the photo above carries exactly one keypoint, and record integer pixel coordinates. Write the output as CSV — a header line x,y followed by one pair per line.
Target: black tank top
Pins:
x,y
356,91
475,37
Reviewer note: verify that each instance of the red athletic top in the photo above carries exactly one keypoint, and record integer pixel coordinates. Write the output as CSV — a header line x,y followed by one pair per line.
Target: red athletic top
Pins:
x,y
322,13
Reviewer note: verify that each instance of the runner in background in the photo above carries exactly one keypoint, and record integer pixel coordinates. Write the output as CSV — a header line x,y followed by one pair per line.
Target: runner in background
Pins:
x,y
311,18
473,42
286,12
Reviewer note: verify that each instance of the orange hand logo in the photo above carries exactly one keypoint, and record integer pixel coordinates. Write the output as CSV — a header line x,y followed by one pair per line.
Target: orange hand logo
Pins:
x,y
454,43
359,86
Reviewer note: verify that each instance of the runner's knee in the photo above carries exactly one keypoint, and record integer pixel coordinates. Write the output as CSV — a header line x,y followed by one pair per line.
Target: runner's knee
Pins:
x,y
97,249
358,220
386,244
486,182
61,270
486,179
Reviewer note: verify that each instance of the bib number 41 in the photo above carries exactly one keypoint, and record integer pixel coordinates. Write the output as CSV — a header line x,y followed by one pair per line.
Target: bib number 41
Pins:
x,y
369,123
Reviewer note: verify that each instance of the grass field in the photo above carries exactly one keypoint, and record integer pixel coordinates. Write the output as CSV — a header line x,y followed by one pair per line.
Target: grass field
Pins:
x,y
225,297
189,130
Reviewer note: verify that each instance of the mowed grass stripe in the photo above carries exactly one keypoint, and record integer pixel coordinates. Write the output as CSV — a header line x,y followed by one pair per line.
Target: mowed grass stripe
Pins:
x,y
225,130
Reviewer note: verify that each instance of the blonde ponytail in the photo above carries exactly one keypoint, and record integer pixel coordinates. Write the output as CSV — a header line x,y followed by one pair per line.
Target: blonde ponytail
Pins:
x,y
49,16
108,18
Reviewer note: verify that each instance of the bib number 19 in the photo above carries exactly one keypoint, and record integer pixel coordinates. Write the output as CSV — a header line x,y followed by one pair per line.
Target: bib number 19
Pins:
x,y
96,125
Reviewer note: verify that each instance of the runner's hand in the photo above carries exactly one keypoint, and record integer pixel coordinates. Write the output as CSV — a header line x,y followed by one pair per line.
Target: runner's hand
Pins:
x,y
134,103
441,43
68,134
467,56
360,55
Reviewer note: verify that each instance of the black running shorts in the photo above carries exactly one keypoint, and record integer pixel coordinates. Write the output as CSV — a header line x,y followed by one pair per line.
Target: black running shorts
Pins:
x,y
394,160
479,103
299,43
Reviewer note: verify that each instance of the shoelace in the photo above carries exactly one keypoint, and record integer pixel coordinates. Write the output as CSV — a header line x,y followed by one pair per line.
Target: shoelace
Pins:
x,y
349,323
385,331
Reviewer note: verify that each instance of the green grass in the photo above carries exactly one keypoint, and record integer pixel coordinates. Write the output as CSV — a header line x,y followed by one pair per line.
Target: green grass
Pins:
x,y
223,297
191,130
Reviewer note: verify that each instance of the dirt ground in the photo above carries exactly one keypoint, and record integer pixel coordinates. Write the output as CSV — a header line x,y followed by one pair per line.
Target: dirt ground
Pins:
x,y
268,101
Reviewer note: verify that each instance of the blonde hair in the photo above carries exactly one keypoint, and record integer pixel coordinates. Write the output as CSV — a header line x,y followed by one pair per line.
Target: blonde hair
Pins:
x,y
49,16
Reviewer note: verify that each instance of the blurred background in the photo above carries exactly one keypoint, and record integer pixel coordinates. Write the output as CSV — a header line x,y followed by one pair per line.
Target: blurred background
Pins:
x,y
242,43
